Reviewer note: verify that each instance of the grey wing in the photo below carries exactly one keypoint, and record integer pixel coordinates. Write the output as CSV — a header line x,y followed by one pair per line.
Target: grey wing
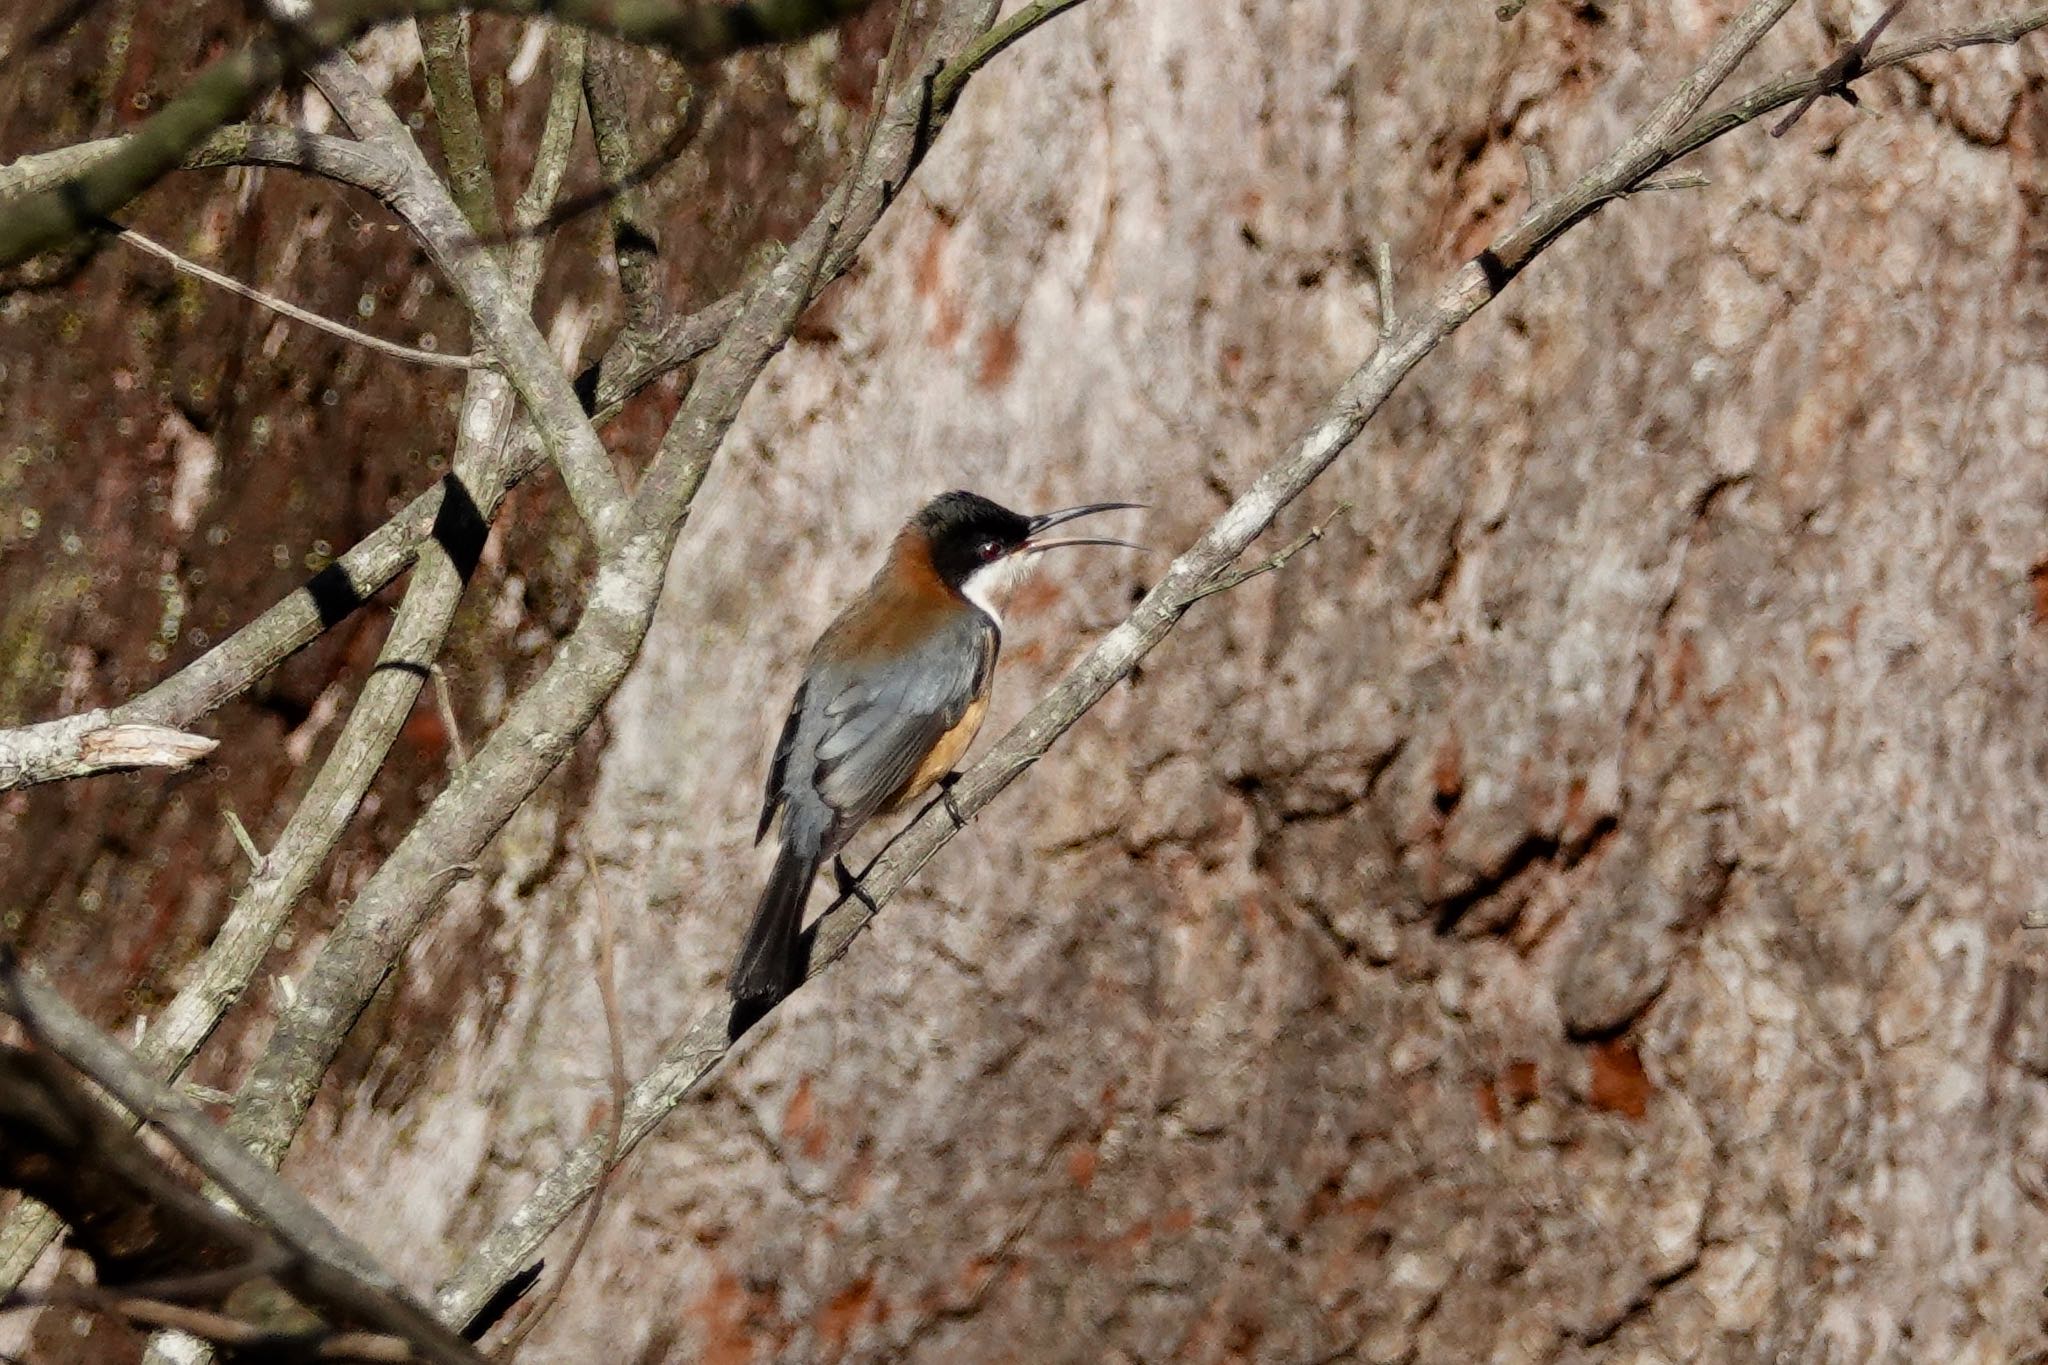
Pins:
x,y
880,723
772,801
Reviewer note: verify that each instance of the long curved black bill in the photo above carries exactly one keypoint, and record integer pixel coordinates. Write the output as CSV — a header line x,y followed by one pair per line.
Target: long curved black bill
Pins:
x,y
1041,524
1041,546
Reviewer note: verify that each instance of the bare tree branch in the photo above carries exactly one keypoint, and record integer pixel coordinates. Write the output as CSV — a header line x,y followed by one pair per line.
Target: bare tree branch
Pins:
x,y
127,1214
49,751
240,144
498,314
1277,560
227,90
418,630
293,311
635,238
1778,93
94,742
331,1269
444,54
570,49
1836,76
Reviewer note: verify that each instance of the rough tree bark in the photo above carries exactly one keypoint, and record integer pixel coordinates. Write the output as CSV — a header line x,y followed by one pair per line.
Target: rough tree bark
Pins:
x,y
1574,911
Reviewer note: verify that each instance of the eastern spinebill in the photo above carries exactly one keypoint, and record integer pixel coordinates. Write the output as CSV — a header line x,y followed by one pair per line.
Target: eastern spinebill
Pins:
x,y
891,697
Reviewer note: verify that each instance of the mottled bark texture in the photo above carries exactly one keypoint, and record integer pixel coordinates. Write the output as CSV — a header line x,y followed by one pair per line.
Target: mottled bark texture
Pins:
x,y
1571,912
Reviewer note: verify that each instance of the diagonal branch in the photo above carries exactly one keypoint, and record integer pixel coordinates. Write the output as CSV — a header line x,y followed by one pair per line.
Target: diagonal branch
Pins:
x,y
1837,75
444,53
291,310
331,1268
635,238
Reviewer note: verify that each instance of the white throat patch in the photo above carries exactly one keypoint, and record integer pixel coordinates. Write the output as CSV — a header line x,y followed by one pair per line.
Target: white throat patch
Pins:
x,y
989,586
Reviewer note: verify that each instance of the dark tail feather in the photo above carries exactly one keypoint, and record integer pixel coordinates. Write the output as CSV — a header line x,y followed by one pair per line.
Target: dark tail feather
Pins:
x,y
766,968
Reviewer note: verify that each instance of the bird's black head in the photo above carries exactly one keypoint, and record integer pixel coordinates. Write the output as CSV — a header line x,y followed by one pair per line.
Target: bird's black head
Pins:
x,y
980,549
967,533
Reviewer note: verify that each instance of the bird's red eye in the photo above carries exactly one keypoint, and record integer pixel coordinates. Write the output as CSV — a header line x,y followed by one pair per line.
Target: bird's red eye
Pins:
x,y
989,550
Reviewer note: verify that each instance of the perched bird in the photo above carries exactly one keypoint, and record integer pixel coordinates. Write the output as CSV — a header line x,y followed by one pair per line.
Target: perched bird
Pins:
x,y
891,697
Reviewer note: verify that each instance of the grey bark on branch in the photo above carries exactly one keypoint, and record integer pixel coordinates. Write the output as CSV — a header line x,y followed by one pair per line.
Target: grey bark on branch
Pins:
x,y
340,159
458,127
635,237
1674,130
500,319
94,742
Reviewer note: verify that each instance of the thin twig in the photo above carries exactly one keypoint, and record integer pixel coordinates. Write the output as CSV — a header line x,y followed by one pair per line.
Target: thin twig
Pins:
x,y
444,702
615,1119
620,183
1277,560
1536,165
1835,77
952,79
248,845
1685,180
1383,275
293,311
204,1094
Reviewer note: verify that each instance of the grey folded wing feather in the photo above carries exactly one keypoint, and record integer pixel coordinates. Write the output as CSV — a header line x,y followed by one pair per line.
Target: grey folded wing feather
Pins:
x,y
879,723
772,802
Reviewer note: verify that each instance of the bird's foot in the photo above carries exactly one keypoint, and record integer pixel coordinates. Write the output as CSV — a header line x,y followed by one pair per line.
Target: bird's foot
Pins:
x,y
946,799
849,885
